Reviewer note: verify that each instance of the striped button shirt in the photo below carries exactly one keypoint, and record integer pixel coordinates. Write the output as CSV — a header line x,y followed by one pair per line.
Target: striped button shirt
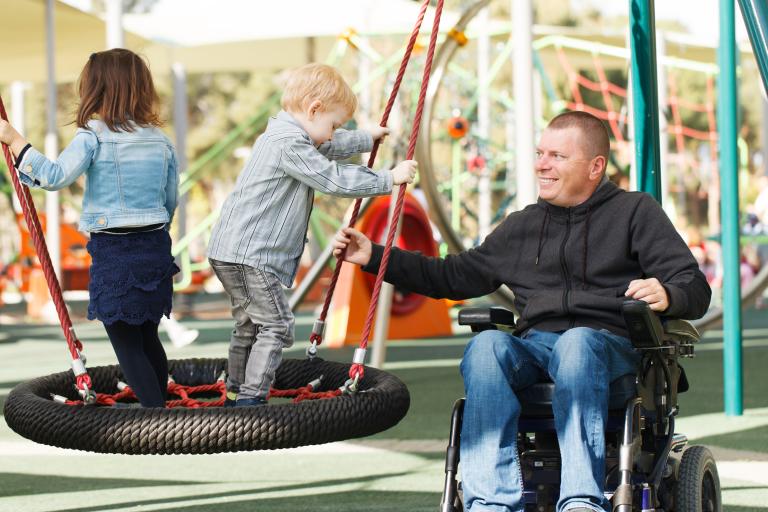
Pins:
x,y
263,222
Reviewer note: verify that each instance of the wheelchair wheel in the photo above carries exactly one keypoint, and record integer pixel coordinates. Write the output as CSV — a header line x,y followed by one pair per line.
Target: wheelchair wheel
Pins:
x,y
698,486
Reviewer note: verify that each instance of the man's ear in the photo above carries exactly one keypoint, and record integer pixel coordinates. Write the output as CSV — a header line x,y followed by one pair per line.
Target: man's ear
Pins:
x,y
597,167
314,107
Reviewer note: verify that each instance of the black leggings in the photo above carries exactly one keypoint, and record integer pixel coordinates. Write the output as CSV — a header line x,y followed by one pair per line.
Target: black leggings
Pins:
x,y
142,360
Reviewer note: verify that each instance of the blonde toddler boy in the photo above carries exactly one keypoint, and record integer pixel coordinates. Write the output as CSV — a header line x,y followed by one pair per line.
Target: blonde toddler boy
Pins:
x,y
257,242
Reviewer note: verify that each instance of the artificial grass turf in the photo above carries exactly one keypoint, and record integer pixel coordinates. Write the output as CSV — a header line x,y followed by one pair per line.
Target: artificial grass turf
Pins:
x,y
23,484
351,501
753,440
705,375
434,390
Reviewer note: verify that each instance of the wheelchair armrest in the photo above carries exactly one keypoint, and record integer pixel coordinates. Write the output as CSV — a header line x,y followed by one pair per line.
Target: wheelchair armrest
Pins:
x,y
681,331
481,319
645,330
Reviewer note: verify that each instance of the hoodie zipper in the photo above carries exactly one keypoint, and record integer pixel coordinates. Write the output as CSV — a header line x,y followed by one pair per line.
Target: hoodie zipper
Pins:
x,y
564,264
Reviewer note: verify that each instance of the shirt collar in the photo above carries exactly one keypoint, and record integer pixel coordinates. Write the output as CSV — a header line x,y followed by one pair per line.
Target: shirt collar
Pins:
x,y
288,118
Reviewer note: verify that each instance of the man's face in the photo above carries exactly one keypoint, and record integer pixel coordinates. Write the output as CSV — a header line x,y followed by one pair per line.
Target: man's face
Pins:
x,y
566,174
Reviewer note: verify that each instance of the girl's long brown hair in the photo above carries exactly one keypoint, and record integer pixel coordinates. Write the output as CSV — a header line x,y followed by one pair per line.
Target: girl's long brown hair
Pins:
x,y
116,85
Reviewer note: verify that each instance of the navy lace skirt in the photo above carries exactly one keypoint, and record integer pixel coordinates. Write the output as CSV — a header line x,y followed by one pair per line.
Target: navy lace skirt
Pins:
x,y
131,277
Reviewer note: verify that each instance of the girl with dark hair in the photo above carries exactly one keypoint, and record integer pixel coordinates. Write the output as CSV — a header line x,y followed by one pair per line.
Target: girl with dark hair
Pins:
x,y
130,196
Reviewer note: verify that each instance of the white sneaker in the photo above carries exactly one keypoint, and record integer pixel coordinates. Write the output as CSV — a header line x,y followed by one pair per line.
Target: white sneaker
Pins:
x,y
182,339
180,336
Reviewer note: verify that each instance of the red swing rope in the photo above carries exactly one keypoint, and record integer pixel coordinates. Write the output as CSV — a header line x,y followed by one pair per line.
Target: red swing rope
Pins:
x,y
357,369
316,337
84,385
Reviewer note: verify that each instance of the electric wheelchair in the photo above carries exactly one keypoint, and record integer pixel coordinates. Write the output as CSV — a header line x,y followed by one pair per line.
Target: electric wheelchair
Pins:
x,y
648,467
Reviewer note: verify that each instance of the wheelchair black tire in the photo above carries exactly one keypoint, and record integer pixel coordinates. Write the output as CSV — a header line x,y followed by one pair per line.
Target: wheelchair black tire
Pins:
x,y
698,486
382,401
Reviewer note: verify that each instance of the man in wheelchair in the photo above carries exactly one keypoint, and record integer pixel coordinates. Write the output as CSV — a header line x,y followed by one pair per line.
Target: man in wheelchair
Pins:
x,y
571,259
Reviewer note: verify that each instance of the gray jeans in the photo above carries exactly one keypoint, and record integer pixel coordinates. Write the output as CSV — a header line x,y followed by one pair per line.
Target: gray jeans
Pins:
x,y
263,327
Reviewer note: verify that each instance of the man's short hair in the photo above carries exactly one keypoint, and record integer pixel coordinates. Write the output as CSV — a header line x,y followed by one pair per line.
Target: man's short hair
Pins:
x,y
595,133
313,82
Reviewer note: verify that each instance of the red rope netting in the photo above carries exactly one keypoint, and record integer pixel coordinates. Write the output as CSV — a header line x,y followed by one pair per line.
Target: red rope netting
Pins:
x,y
205,395
680,131
612,93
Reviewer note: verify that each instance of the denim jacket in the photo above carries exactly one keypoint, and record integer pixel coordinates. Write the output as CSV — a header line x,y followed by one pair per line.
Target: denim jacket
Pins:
x,y
131,177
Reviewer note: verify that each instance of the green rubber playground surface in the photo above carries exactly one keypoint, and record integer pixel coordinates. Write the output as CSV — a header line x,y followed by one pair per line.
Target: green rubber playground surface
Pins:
x,y
400,469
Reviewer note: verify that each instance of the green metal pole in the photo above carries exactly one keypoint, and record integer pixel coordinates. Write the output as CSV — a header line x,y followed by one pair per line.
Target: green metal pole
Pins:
x,y
755,13
729,182
645,96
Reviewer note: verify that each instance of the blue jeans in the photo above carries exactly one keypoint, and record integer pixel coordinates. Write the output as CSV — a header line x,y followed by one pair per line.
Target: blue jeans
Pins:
x,y
263,327
581,362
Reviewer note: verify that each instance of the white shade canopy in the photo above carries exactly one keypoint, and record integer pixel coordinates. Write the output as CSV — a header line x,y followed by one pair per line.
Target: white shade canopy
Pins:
x,y
204,22
23,39
260,35
237,35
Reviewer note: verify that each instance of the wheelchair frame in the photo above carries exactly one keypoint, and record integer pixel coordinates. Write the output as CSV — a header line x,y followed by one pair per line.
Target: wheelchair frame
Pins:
x,y
644,469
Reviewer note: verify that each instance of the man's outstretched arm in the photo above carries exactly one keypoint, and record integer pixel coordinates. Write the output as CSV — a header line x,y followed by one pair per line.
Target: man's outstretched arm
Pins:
x,y
461,276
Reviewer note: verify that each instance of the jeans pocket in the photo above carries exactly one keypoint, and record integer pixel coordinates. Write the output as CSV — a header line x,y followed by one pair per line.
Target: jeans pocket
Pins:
x,y
232,277
269,285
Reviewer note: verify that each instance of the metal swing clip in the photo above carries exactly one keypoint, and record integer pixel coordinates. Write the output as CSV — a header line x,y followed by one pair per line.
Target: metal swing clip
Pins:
x,y
312,351
88,395
318,330
80,355
350,386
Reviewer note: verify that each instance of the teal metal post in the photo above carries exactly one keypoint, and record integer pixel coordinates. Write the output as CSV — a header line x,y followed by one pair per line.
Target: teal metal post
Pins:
x,y
645,98
755,13
727,128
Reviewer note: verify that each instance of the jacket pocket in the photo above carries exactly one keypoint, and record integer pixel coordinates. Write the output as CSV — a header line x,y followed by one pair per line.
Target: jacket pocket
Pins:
x,y
543,304
606,304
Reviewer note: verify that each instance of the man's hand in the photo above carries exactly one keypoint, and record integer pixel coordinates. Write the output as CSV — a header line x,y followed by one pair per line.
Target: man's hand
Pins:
x,y
357,245
650,291
378,132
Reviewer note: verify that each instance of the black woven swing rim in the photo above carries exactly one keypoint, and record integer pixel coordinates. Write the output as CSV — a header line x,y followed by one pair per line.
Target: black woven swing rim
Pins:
x,y
382,401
